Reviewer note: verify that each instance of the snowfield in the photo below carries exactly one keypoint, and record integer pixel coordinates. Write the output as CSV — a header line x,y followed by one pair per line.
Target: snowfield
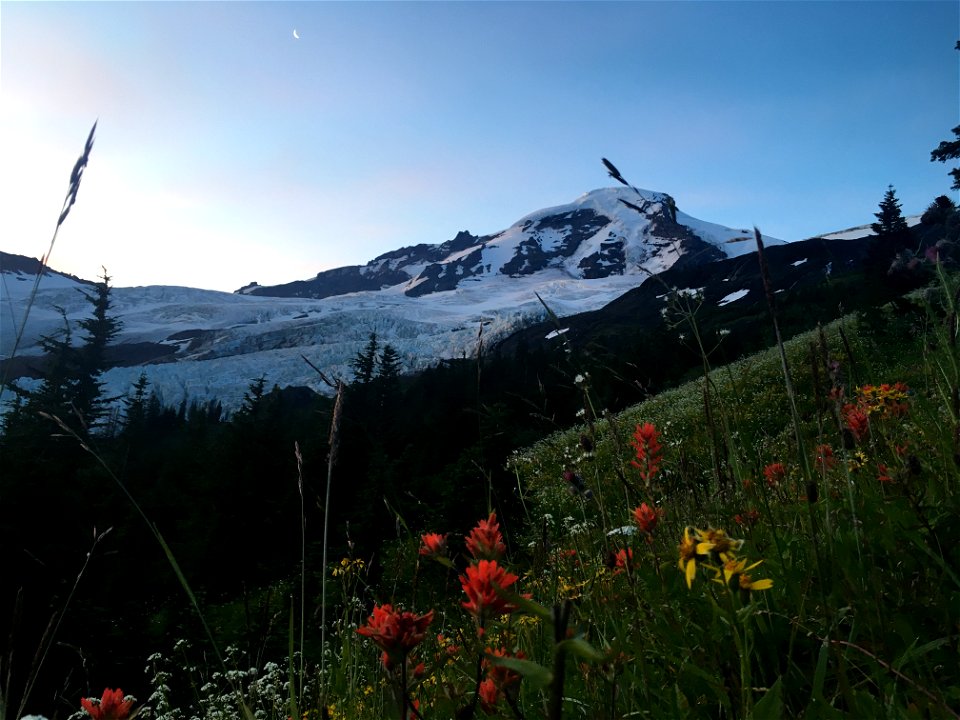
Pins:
x,y
217,343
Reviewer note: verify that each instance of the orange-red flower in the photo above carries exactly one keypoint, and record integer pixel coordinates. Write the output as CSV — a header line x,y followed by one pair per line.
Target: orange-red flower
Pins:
x,y
111,706
824,458
434,545
646,517
775,473
488,695
747,518
883,473
500,679
485,540
857,419
395,632
480,583
623,561
646,442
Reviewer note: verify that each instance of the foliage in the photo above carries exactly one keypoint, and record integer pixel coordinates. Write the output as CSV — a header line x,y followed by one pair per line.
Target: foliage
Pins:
x,y
890,219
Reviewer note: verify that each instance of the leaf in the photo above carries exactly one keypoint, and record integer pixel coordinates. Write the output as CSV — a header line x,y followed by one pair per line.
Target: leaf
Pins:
x,y
820,674
580,647
525,604
550,313
913,652
770,706
536,674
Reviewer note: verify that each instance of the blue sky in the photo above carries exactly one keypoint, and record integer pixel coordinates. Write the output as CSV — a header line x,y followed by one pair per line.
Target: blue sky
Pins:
x,y
229,151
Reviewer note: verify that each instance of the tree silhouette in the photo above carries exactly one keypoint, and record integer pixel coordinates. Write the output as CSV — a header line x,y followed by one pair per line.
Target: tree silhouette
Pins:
x,y
890,220
949,150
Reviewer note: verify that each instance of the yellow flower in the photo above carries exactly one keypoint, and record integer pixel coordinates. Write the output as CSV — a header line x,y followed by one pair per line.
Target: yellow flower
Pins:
x,y
721,543
690,547
747,584
738,568
734,566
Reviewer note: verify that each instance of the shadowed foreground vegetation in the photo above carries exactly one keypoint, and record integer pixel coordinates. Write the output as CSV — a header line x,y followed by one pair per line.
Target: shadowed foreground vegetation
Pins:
x,y
755,543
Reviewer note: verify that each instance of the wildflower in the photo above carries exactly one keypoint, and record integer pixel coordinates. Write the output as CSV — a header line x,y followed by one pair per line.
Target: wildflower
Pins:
x,y
348,566
824,458
488,695
690,548
434,545
623,561
747,518
112,706
885,400
748,584
883,474
485,540
396,633
449,647
775,473
500,679
720,543
646,442
480,583
646,517
857,419
414,710
577,485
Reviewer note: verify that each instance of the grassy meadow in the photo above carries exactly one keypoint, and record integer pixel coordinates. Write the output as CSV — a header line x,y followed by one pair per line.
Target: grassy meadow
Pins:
x,y
777,538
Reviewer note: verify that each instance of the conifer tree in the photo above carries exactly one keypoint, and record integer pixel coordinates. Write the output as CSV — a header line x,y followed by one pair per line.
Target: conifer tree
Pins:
x,y
135,408
365,363
99,331
389,362
252,400
889,220
949,150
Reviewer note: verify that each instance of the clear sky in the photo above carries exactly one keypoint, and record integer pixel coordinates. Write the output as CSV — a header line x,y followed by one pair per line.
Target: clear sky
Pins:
x,y
229,151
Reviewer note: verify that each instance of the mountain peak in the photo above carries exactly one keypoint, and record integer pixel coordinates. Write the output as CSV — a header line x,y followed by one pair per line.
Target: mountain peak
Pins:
x,y
606,231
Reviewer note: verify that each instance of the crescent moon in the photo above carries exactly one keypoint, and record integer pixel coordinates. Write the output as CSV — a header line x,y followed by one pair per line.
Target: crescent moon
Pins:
x,y
296,36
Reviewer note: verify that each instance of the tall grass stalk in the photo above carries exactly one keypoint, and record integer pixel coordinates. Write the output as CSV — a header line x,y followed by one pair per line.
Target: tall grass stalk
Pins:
x,y
68,201
303,568
334,445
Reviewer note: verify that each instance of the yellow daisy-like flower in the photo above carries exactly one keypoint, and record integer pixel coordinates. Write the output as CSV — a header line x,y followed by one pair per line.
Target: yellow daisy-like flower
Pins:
x,y
738,568
690,547
735,566
747,584
721,543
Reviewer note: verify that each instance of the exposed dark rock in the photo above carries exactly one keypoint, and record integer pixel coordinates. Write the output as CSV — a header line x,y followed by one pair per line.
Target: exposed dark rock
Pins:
x,y
439,277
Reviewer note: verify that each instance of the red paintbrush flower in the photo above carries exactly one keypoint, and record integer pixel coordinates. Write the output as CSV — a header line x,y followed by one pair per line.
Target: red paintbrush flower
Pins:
x,y
857,419
646,442
485,540
434,545
500,679
775,473
111,706
623,561
395,632
480,583
646,517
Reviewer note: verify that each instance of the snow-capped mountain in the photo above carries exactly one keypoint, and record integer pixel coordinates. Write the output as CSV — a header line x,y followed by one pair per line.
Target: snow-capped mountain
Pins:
x,y
604,233
427,301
